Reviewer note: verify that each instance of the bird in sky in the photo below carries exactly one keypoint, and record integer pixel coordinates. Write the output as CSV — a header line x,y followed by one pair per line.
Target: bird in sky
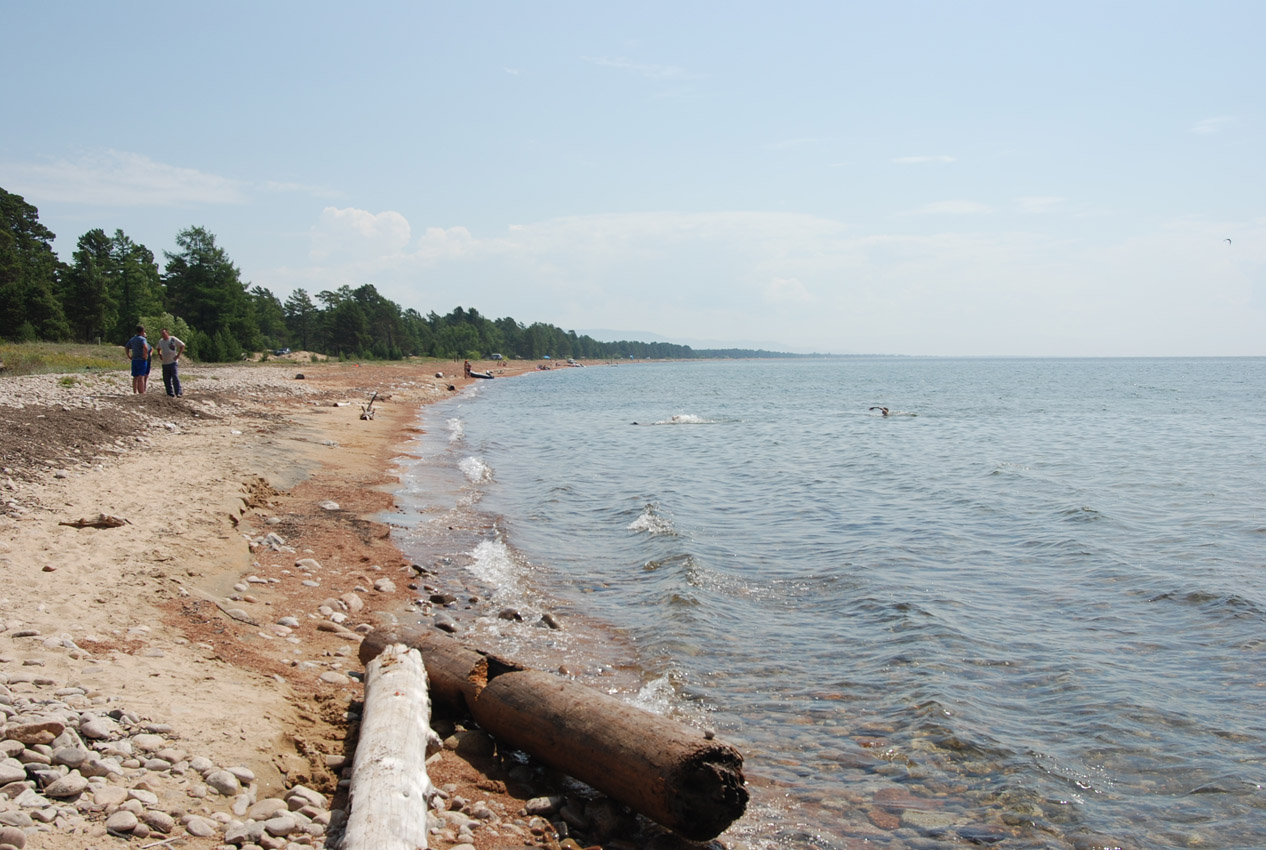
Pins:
x,y
1228,241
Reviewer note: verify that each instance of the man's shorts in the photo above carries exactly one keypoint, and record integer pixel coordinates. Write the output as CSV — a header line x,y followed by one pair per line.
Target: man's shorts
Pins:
x,y
140,368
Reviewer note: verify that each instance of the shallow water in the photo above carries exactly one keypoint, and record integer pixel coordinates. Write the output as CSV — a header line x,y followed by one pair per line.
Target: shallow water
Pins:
x,y
1026,609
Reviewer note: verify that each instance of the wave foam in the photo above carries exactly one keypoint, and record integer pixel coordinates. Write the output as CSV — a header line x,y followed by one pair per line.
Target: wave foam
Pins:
x,y
685,419
475,470
455,430
494,563
652,522
657,696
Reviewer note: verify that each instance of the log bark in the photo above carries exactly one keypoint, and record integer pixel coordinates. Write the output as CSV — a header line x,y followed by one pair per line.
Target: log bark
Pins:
x,y
674,774
452,670
390,789
456,674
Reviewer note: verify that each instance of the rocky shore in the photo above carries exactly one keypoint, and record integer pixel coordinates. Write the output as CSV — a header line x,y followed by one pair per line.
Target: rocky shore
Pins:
x,y
186,584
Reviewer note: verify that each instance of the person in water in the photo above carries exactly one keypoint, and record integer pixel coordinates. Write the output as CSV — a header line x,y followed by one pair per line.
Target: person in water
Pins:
x,y
882,410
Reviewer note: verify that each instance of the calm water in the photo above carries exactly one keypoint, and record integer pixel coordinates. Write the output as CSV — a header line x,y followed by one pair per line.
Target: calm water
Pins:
x,y
1027,609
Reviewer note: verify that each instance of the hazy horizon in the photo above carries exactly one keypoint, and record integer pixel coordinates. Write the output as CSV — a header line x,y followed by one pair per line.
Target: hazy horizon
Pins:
x,y
984,178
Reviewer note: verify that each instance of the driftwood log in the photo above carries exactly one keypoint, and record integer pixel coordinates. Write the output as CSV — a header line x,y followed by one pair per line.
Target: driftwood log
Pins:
x,y
456,674
390,789
676,775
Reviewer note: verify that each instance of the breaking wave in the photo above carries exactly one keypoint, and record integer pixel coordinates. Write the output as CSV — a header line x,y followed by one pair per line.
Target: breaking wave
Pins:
x,y
651,521
475,470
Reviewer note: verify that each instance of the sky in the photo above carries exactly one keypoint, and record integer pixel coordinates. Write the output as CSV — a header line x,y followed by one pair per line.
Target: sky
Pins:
x,y
925,178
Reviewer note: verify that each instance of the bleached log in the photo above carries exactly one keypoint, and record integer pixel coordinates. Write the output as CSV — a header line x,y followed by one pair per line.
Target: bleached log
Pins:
x,y
390,790
678,776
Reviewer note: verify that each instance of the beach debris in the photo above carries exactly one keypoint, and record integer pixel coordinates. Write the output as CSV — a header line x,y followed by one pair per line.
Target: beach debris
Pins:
x,y
676,775
99,521
389,775
367,410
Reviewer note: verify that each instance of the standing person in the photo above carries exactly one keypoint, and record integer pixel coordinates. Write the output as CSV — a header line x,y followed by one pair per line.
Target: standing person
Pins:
x,y
169,349
139,349
467,368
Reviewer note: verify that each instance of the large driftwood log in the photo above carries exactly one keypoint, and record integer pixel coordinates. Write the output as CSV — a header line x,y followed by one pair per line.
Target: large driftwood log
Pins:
x,y
390,788
456,674
674,774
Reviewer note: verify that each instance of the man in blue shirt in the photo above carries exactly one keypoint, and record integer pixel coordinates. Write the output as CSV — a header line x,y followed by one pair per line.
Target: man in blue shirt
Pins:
x,y
138,348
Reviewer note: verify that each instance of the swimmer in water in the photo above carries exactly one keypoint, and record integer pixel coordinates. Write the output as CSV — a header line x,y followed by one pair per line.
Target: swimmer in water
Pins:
x,y
882,410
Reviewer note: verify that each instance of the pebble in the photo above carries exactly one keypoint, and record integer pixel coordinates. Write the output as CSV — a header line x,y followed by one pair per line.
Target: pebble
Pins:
x,y
71,785
122,821
265,809
223,782
158,821
148,743
200,827
96,728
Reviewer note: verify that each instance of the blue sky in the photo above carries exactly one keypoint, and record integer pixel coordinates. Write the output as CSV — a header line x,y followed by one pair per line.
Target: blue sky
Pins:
x,y
942,178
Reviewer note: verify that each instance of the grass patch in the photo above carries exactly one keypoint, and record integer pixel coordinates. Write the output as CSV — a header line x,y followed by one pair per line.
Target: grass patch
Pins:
x,y
42,358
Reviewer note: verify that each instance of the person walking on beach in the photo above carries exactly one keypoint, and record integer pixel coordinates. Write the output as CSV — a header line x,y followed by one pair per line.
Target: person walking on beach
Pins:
x,y
139,349
467,367
169,350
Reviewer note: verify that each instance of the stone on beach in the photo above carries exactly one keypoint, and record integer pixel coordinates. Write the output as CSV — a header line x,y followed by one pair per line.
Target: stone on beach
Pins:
x,y
223,782
71,785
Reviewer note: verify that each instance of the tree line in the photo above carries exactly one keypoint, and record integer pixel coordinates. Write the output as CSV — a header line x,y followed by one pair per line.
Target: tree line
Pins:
x,y
113,283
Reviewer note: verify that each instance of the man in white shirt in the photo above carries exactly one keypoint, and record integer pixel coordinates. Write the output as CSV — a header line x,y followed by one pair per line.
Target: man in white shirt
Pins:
x,y
170,348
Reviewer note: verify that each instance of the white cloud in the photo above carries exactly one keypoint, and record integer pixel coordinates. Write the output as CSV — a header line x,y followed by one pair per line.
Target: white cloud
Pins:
x,y
352,235
951,208
1040,203
921,160
452,243
1209,126
119,178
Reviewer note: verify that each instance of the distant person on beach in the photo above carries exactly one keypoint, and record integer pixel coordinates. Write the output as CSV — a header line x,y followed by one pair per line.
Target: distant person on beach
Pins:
x,y
882,410
139,349
467,368
169,350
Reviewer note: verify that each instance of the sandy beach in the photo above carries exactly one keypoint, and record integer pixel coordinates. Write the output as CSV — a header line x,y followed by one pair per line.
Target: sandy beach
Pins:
x,y
185,585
